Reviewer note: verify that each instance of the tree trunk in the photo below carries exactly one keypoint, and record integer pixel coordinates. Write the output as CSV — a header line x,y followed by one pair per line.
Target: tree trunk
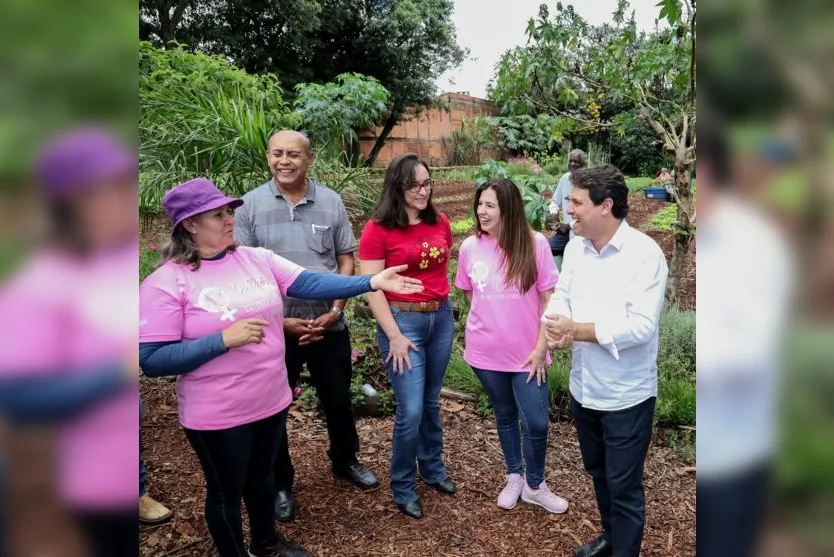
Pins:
x,y
390,122
683,229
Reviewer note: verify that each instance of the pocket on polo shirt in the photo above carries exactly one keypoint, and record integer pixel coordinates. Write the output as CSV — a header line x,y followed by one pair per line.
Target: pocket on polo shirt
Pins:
x,y
320,238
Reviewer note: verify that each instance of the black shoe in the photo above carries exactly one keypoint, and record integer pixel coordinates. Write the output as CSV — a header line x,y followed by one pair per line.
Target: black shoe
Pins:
x,y
282,548
447,486
598,547
413,509
358,475
284,506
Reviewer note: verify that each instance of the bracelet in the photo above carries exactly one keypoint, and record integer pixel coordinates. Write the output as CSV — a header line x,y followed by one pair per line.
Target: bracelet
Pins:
x,y
337,311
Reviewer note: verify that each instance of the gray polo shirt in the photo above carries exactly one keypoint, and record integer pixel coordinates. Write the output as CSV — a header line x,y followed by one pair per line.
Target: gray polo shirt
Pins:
x,y
311,234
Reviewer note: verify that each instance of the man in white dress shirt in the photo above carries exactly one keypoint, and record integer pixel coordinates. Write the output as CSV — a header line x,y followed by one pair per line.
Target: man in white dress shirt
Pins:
x,y
607,307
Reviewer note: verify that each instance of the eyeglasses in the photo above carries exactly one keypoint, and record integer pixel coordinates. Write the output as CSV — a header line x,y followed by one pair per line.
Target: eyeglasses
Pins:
x,y
415,187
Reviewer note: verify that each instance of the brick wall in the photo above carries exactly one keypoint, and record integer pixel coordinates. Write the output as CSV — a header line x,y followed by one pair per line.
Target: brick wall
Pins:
x,y
423,135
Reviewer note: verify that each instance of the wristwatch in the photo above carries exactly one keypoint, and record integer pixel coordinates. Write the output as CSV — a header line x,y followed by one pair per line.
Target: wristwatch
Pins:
x,y
337,311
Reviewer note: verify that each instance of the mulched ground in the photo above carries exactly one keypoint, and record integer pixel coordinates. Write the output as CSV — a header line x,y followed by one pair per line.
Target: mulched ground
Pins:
x,y
336,519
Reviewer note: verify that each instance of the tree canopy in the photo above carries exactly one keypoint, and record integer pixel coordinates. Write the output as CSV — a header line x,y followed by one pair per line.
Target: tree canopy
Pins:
x,y
404,44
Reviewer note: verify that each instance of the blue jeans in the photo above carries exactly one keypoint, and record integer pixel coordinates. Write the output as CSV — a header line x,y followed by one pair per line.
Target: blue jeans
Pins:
x,y
418,433
512,397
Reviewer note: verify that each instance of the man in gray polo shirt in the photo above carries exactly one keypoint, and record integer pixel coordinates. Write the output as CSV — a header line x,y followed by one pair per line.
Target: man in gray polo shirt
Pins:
x,y
302,220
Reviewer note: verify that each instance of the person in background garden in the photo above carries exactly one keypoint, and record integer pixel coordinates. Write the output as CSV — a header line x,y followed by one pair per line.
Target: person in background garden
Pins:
x,y
305,222
70,359
607,306
508,275
212,314
664,176
415,331
558,204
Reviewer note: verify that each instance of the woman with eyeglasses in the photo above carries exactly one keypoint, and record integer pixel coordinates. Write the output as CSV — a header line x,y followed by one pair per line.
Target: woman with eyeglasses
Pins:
x,y
415,330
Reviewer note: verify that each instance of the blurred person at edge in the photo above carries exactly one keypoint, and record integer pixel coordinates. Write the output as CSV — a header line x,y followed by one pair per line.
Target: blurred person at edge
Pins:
x,y
745,277
71,357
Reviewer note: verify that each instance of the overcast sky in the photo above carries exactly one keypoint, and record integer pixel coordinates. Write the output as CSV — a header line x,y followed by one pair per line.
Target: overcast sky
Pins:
x,y
491,27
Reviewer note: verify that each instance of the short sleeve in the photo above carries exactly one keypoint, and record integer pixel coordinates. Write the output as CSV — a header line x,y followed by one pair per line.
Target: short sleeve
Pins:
x,y
547,274
372,242
345,240
462,279
161,312
244,232
284,270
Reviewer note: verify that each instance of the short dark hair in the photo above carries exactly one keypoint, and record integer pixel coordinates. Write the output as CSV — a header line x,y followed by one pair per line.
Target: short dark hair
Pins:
x,y
390,211
604,182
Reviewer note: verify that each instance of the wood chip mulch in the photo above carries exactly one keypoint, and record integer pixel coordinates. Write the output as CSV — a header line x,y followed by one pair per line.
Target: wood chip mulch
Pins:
x,y
336,519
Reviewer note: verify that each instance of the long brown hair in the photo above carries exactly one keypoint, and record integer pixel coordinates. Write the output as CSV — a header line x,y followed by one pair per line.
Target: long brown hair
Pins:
x,y
390,211
515,237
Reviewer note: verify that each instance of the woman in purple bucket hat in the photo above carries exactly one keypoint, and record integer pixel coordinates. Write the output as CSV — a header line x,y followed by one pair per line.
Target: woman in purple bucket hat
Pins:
x,y
212,315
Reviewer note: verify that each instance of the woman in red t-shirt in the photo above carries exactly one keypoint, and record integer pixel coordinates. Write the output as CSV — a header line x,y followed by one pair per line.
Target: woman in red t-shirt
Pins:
x,y
415,331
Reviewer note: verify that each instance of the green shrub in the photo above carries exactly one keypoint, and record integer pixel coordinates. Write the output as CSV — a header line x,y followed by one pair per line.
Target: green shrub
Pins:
x,y
148,261
463,226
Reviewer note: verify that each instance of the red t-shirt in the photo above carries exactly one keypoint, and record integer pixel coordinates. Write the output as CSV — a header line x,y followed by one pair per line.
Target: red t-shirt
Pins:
x,y
424,248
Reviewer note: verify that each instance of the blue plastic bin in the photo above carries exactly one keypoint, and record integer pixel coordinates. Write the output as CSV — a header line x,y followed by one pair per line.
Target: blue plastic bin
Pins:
x,y
656,193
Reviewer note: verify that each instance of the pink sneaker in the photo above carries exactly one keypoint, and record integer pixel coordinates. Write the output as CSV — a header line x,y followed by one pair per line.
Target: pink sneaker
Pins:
x,y
543,497
508,498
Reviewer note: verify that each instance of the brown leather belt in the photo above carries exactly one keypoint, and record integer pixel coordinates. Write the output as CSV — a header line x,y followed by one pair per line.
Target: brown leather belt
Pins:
x,y
424,307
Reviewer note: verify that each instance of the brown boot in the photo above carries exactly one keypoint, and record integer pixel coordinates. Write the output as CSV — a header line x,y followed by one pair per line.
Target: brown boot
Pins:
x,y
152,511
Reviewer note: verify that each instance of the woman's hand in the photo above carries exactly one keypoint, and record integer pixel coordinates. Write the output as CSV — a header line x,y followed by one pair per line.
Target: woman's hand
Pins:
x,y
243,332
398,352
538,365
389,281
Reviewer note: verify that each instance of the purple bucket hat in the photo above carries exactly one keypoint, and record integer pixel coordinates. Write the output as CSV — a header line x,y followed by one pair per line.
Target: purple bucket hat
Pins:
x,y
81,159
194,197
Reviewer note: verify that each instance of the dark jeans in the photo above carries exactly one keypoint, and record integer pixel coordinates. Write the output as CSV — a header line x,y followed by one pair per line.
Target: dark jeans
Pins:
x,y
731,512
111,534
614,446
330,366
512,397
237,463
418,431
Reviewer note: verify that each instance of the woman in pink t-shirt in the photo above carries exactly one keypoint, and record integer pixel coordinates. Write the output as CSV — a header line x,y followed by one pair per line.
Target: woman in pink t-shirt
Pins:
x,y
212,314
508,275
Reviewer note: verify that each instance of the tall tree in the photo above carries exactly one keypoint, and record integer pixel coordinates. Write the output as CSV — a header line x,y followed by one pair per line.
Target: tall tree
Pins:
x,y
405,44
569,66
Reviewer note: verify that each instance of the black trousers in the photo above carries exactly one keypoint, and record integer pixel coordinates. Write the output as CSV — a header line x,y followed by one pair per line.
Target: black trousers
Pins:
x,y
111,534
614,446
330,366
237,464
731,512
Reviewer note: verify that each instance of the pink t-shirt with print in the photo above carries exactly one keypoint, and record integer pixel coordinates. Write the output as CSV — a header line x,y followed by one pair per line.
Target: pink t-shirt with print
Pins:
x,y
503,325
246,383
74,315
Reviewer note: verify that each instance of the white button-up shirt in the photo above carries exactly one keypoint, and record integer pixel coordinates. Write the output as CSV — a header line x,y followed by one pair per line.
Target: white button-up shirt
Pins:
x,y
621,290
559,201
745,284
